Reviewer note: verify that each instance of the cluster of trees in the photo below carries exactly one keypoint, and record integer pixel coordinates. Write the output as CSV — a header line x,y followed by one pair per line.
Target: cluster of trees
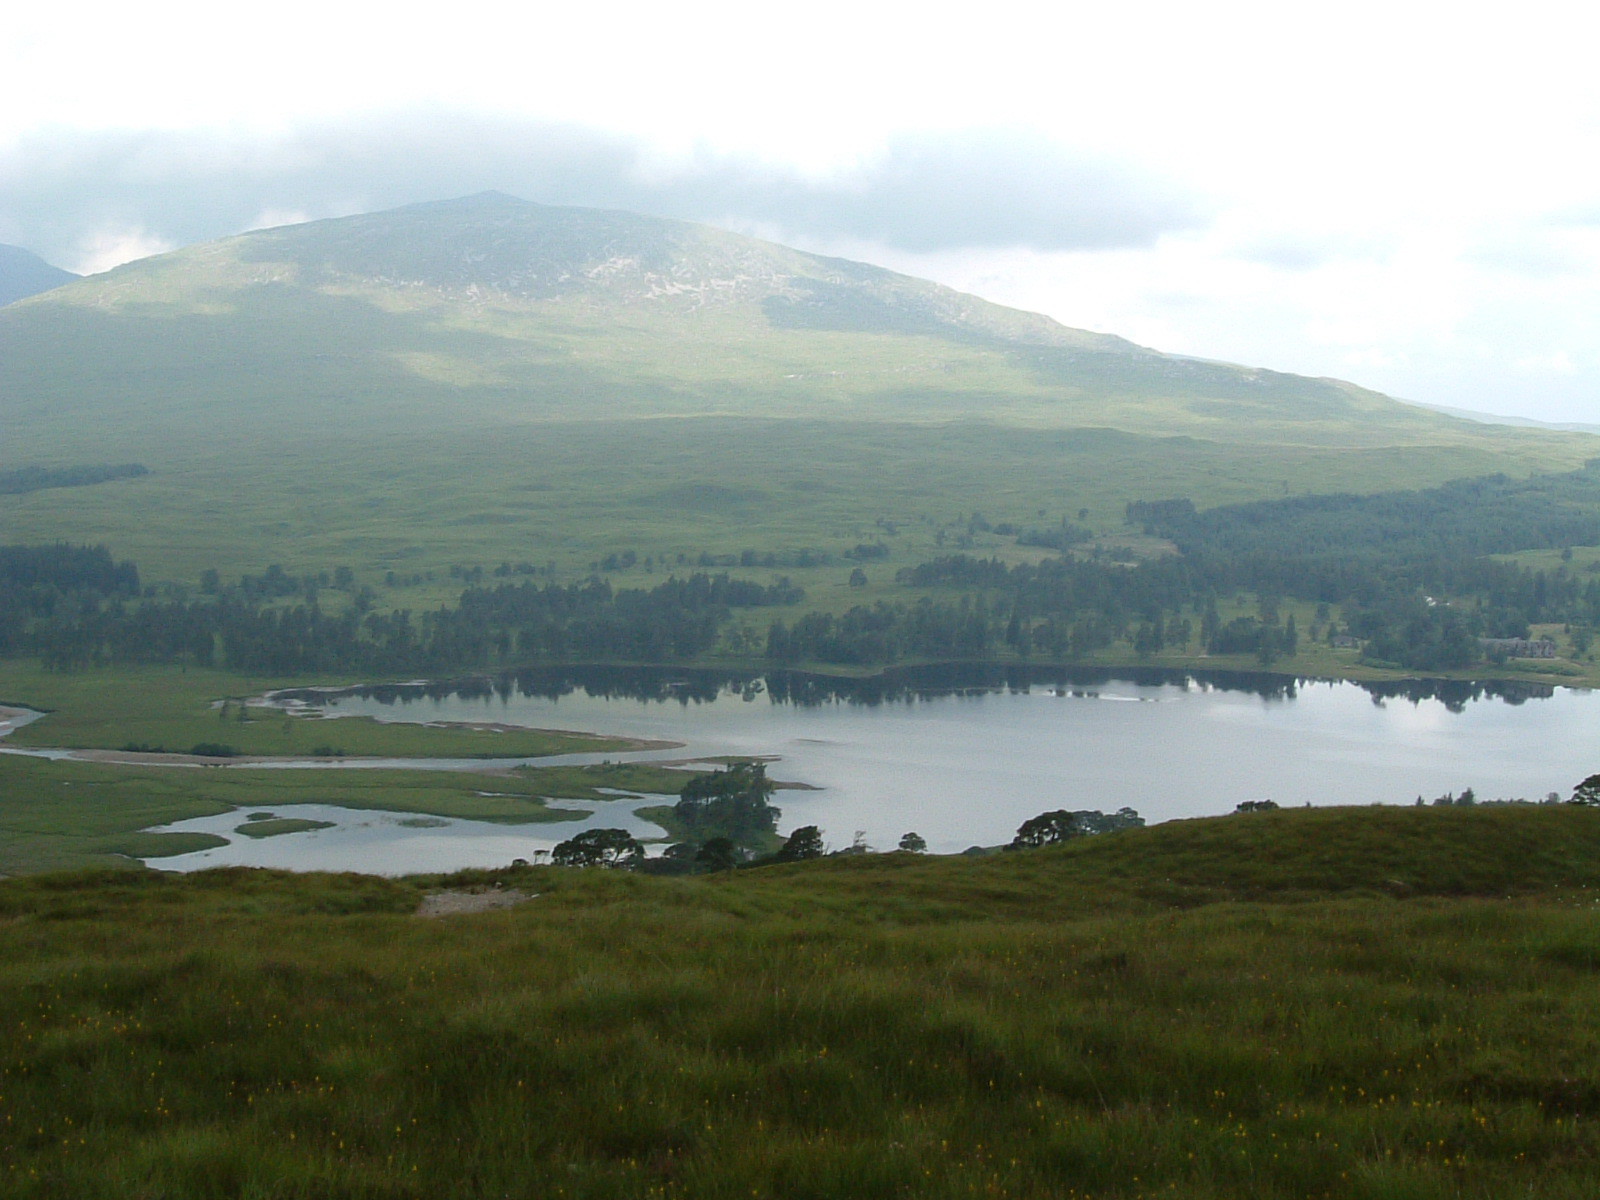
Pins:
x,y
1059,825
885,632
727,821
57,583
42,576
733,805
1055,537
615,848
758,558
726,818
1058,609
74,607
1267,640
1466,518
1586,794
1384,559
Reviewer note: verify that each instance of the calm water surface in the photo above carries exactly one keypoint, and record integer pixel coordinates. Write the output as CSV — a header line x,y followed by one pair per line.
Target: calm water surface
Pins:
x,y
964,755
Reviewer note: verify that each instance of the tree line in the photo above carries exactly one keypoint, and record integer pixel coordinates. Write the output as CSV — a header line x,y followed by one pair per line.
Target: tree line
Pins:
x,y
74,607
1462,519
1067,609
1409,573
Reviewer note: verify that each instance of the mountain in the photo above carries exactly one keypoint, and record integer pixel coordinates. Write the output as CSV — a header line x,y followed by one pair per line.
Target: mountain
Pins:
x,y
23,274
486,378
537,307
1468,414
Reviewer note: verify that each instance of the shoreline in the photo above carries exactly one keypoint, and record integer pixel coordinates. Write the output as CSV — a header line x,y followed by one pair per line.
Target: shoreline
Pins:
x,y
163,758
907,675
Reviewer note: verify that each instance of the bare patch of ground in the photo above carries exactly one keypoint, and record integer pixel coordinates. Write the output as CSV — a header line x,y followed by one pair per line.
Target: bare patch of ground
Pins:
x,y
451,904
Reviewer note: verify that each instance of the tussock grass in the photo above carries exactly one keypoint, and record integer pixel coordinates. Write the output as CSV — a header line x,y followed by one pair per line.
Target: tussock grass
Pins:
x,y
1200,1009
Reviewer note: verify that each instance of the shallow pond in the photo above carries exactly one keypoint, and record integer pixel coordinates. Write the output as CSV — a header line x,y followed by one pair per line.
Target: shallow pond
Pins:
x,y
389,843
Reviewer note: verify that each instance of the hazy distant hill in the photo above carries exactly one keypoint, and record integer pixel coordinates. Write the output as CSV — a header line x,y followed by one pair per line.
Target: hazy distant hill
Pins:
x,y
23,273
361,388
1522,422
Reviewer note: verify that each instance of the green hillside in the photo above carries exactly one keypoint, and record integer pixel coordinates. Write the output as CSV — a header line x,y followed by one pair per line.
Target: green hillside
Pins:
x,y
487,379
1205,1009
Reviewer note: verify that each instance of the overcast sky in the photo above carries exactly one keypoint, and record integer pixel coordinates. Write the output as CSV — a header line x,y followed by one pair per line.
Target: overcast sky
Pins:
x,y
1402,194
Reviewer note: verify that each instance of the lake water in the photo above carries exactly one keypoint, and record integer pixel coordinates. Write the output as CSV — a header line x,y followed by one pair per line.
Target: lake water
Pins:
x,y
963,755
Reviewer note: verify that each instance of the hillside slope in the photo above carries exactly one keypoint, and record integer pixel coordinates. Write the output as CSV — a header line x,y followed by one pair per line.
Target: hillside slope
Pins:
x,y
1138,1016
519,311
424,367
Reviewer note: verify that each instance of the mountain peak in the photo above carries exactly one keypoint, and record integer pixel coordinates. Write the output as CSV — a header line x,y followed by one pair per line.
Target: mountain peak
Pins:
x,y
23,273
477,200
495,248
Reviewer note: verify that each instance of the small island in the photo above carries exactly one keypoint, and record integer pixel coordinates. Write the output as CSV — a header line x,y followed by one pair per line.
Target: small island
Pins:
x,y
278,826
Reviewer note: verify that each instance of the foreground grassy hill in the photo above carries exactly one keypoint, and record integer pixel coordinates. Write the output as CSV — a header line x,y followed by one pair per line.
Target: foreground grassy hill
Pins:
x,y
1341,1003
486,379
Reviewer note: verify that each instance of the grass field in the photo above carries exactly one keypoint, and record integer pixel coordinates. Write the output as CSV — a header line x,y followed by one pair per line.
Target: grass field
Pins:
x,y
569,493
266,827
1329,1003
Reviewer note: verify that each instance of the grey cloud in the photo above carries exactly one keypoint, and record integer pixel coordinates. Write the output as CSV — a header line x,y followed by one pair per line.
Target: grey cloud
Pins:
x,y
1303,252
1287,254
188,187
975,189
1538,250
924,193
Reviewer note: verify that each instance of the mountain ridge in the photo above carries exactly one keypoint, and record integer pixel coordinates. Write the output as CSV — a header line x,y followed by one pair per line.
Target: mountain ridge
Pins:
x,y
535,295
463,256
23,273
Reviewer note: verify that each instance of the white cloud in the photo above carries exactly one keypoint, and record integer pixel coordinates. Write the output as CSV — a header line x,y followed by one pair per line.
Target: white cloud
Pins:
x,y
271,218
107,248
1558,363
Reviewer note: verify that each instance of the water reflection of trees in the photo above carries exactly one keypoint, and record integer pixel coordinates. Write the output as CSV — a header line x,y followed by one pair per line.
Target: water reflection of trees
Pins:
x,y
1456,694
900,685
